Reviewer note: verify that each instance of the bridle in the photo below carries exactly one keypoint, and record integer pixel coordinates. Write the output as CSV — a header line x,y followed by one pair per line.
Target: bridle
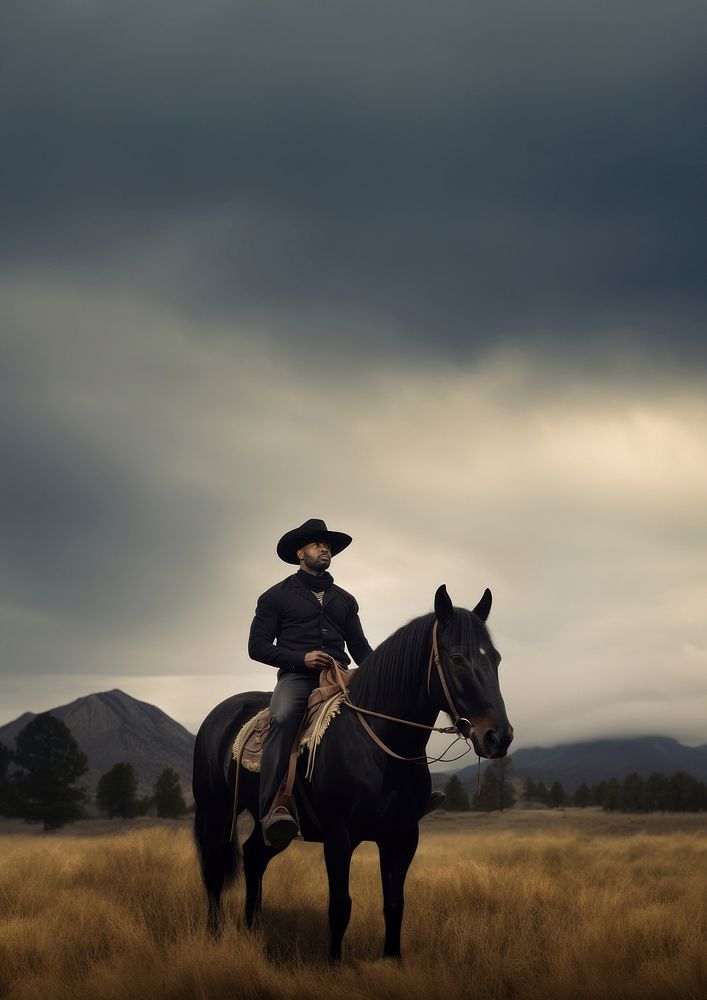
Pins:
x,y
360,712
454,728
434,655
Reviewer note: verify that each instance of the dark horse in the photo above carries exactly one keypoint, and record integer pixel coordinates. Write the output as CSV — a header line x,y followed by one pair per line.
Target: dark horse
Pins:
x,y
358,792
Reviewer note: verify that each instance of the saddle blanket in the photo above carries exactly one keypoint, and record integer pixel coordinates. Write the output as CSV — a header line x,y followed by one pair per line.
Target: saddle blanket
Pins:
x,y
323,705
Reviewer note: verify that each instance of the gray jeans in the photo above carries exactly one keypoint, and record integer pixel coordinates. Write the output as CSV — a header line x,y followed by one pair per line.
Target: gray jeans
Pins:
x,y
287,707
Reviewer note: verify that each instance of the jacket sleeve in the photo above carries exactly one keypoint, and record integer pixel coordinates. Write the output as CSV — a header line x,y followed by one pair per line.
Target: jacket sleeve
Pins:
x,y
263,630
354,637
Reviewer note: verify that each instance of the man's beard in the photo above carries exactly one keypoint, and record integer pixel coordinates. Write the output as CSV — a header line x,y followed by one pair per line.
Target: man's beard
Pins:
x,y
313,563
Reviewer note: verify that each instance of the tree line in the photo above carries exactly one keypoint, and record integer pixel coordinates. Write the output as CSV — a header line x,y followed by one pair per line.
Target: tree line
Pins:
x,y
678,792
659,792
39,780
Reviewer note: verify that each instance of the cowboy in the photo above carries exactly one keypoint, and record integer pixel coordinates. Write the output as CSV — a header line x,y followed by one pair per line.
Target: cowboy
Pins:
x,y
311,618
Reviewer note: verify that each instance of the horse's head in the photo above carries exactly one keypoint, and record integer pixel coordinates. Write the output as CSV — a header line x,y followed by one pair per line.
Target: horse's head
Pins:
x,y
469,663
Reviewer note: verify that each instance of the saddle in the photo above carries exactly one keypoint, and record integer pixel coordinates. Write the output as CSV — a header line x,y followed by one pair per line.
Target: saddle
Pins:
x,y
323,705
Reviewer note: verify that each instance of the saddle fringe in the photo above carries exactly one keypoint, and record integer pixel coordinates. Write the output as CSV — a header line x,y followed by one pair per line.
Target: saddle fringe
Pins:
x,y
324,705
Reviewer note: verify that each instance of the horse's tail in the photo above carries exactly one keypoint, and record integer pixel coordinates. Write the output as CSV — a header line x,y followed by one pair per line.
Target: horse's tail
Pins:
x,y
235,869
221,858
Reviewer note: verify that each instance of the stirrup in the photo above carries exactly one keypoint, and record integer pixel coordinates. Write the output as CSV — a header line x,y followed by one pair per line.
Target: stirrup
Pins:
x,y
280,827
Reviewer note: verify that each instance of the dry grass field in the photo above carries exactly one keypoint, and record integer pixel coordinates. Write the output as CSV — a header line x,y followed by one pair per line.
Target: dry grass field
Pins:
x,y
574,904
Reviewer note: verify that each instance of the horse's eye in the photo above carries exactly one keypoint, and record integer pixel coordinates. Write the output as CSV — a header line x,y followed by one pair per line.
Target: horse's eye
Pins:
x,y
457,658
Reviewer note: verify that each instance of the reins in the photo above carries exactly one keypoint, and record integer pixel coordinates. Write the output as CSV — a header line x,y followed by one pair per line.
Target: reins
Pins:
x,y
454,728
360,712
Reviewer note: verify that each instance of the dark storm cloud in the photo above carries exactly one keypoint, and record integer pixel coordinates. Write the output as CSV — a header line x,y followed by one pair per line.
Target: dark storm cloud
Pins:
x,y
201,202
88,535
456,170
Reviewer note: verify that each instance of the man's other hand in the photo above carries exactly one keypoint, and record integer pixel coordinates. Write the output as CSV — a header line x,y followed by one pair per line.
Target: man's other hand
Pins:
x,y
315,659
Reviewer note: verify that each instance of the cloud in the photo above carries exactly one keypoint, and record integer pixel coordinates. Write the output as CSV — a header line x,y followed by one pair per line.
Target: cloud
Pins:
x,y
155,470
400,173
96,527
435,275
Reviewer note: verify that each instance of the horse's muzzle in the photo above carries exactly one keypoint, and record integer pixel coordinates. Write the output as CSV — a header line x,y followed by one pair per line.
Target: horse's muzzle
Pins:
x,y
493,744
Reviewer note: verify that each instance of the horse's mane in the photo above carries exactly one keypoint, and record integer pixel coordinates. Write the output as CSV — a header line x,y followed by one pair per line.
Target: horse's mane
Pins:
x,y
384,679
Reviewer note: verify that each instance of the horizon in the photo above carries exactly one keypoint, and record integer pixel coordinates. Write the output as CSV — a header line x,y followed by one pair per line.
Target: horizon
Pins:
x,y
434,768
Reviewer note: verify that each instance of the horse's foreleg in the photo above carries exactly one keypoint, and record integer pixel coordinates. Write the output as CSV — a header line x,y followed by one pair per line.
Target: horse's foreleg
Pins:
x,y
214,919
395,858
337,855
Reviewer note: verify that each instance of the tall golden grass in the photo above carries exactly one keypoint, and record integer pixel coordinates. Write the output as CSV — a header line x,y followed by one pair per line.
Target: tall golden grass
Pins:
x,y
491,913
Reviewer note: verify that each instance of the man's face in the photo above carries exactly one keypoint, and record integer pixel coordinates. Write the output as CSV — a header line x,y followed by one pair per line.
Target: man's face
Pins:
x,y
316,556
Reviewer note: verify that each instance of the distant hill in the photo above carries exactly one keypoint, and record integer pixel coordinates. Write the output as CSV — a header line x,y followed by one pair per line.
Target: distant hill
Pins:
x,y
111,727
596,760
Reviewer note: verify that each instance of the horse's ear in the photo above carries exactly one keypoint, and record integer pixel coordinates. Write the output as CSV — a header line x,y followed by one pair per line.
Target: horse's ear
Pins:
x,y
443,605
484,606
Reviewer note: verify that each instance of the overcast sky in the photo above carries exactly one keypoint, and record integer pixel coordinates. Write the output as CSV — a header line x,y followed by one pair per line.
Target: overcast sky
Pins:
x,y
431,272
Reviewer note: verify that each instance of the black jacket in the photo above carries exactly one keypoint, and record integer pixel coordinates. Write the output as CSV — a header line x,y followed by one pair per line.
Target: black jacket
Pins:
x,y
290,613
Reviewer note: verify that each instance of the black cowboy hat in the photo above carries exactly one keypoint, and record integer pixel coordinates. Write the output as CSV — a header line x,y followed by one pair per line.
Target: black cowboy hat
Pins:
x,y
313,530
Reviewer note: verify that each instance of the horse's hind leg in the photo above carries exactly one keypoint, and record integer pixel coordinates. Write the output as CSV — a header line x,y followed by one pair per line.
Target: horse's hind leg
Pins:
x,y
256,857
395,858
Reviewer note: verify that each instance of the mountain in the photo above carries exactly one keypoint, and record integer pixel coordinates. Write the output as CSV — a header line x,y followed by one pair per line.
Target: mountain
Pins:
x,y
597,760
111,727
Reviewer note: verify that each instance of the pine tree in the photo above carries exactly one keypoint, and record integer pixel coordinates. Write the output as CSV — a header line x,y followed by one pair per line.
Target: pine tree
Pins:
x,y
116,793
457,799
50,763
611,795
496,790
542,793
583,796
633,795
683,792
168,798
557,795
656,791
598,793
530,790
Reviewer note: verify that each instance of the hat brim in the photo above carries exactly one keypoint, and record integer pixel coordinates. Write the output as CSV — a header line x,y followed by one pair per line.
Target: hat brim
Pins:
x,y
293,540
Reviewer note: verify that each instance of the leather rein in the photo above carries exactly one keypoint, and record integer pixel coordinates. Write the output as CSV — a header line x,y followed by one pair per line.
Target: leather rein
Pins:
x,y
454,728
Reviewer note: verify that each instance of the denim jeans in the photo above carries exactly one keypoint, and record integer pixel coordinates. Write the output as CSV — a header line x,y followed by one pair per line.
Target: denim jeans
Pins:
x,y
287,708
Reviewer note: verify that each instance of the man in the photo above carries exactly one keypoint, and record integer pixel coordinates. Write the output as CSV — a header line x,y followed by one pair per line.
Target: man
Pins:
x,y
309,616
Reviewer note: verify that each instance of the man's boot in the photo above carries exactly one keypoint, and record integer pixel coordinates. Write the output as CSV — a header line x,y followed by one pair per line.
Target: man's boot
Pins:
x,y
280,827
435,800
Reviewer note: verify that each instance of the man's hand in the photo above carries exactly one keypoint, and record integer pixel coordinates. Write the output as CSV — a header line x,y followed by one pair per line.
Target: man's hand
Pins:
x,y
315,659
